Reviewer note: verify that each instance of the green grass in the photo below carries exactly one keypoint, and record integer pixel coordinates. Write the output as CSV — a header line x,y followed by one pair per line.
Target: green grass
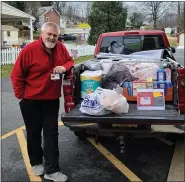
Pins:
x,y
83,59
172,42
6,69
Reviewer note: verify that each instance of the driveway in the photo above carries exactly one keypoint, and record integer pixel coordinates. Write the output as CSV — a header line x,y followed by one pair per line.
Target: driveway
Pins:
x,y
179,55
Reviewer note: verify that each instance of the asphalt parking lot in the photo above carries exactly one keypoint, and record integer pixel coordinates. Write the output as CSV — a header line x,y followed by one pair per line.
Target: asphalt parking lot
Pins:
x,y
147,159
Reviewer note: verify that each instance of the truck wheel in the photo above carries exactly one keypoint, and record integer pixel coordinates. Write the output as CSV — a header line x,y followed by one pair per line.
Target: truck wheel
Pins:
x,y
80,134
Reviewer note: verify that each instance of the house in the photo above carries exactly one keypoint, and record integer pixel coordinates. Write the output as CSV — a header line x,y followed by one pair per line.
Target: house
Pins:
x,y
180,39
9,13
68,21
146,26
81,30
9,35
168,30
128,24
49,13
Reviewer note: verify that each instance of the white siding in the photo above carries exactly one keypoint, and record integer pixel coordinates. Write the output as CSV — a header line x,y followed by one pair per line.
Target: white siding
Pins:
x,y
12,39
181,39
62,23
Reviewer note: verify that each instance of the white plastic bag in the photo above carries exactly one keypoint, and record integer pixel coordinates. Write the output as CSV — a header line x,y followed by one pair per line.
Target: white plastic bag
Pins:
x,y
91,106
112,101
106,65
93,65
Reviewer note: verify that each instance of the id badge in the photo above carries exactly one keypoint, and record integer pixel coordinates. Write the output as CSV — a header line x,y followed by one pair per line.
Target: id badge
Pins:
x,y
55,77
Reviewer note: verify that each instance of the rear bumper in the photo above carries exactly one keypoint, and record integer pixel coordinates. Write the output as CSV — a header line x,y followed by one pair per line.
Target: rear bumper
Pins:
x,y
94,128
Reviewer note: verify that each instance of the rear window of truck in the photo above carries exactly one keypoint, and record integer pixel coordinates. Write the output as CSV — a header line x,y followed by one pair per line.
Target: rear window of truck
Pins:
x,y
131,43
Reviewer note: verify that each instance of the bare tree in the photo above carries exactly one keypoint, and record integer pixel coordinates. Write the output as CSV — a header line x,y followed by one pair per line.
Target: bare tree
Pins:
x,y
167,20
87,10
137,20
57,5
46,3
32,7
69,12
60,6
178,10
155,9
76,12
64,7
180,16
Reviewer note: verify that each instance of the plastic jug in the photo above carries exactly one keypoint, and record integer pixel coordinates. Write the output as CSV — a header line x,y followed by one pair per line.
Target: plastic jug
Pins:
x,y
163,85
168,74
161,75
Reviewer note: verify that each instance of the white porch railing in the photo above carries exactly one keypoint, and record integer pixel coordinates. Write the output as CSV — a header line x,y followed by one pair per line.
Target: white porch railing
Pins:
x,y
8,56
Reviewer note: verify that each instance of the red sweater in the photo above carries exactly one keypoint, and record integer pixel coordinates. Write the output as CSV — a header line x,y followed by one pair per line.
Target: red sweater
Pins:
x,y
31,73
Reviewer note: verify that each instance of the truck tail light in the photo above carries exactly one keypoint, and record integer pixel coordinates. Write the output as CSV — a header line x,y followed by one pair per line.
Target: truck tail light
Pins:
x,y
181,90
182,82
68,91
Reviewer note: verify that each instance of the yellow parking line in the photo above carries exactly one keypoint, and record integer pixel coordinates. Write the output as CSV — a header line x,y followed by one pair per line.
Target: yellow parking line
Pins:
x,y
23,146
12,132
60,123
117,163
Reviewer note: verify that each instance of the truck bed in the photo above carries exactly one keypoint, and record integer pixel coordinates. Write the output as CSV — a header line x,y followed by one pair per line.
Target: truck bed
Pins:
x,y
169,116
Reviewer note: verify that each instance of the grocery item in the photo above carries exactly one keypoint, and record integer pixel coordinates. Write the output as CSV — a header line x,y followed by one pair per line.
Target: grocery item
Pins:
x,y
150,82
90,81
138,85
168,74
128,85
144,70
150,99
161,75
163,85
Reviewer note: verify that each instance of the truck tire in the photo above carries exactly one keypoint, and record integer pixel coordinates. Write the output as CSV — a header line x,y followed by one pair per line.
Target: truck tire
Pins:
x,y
80,134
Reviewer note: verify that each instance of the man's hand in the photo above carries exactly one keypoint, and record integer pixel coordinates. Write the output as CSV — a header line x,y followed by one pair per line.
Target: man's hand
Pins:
x,y
59,69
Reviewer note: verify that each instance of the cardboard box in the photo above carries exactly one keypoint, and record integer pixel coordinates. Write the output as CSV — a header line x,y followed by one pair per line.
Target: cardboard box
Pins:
x,y
150,99
138,85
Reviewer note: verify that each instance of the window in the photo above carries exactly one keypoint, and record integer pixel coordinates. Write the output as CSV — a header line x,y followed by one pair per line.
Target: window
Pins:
x,y
107,41
131,44
47,18
8,33
152,42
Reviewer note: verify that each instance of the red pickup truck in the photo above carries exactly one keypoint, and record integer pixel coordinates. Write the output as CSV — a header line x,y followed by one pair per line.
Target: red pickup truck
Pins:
x,y
135,121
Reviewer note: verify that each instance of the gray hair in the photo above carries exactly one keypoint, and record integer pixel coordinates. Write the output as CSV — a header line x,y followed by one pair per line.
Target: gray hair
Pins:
x,y
50,24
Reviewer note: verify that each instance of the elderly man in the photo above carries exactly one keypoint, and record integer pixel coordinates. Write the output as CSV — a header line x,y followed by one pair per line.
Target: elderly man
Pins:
x,y
37,84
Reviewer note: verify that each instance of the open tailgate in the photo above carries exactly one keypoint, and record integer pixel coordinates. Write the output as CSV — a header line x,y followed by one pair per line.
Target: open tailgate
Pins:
x,y
169,116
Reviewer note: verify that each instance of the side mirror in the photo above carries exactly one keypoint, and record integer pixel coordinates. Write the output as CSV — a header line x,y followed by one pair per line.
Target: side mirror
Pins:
x,y
173,50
